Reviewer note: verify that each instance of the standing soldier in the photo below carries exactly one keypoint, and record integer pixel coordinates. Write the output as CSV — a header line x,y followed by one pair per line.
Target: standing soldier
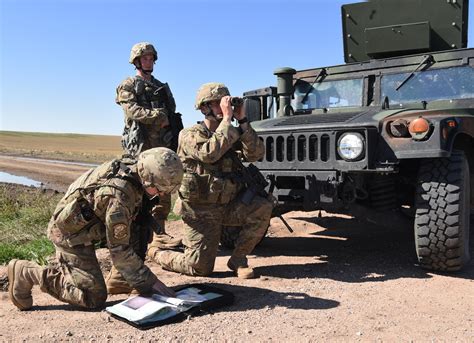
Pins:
x,y
150,121
100,205
211,193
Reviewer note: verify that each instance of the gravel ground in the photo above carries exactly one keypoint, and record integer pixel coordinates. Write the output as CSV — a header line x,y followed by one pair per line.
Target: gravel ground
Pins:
x,y
334,279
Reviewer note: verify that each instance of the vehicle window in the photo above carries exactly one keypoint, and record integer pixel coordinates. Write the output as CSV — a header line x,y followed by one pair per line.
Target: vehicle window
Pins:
x,y
429,85
340,93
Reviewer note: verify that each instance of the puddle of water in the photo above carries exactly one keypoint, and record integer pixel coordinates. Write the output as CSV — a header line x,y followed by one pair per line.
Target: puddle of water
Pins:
x,y
33,159
20,180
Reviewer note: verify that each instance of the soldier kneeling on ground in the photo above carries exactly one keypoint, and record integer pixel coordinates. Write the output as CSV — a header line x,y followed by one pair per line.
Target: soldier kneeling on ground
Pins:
x,y
102,204
211,193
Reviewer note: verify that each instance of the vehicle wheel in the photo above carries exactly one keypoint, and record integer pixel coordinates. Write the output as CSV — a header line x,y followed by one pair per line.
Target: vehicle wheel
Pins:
x,y
229,236
442,221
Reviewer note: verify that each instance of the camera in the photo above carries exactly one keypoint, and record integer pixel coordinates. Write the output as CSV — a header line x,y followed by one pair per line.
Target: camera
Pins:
x,y
236,101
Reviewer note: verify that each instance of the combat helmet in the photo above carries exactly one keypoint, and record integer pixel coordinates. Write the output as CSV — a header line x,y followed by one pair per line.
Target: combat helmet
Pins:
x,y
141,49
160,168
210,91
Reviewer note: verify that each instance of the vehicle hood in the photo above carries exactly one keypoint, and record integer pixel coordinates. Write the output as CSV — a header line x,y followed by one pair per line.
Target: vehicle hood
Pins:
x,y
367,117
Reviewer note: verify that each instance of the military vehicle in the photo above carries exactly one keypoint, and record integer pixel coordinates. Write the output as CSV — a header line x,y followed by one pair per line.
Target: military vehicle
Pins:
x,y
389,132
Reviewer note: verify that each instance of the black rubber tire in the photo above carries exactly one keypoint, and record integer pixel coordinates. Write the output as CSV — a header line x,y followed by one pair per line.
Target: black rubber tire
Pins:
x,y
229,236
442,221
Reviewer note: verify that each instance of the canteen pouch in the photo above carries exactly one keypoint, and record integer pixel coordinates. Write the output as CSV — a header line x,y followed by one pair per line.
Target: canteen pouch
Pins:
x,y
94,233
74,216
207,189
189,189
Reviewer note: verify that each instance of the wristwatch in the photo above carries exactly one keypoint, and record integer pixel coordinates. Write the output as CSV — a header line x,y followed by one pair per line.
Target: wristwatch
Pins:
x,y
243,120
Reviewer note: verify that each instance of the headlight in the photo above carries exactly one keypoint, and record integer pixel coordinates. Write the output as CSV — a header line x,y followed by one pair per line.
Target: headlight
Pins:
x,y
350,146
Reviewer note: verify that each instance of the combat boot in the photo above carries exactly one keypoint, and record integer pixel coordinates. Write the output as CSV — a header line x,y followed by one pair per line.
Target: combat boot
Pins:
x,y
240,268
116,284
22,276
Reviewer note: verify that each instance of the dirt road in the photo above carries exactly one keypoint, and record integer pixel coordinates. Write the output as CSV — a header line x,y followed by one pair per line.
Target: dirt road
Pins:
x,y
333,279
53,174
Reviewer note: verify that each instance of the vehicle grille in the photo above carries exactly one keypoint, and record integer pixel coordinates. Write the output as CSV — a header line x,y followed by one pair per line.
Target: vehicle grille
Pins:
x,y
297,148
306,150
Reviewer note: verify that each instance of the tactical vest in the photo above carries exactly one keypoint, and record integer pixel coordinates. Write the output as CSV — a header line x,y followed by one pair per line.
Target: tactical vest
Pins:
x,y
151,94
138,136
74,215
210,183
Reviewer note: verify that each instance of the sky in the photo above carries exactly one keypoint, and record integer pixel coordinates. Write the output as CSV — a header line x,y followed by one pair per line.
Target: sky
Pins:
x,y
61,60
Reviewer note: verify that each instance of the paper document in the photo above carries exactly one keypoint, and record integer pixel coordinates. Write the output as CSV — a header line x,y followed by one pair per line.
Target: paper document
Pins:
x,y
141,310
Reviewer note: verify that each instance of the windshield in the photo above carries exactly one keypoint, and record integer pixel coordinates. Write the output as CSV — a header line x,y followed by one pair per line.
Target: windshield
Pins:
x,y
341,93
430,85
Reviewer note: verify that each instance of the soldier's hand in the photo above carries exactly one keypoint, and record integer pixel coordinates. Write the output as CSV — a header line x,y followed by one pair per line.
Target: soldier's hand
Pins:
x,y
160,288
239,112
226,108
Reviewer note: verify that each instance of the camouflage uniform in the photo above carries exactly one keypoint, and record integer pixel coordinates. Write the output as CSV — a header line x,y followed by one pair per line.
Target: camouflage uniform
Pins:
x,y
136,100
145,109
100,205
209,198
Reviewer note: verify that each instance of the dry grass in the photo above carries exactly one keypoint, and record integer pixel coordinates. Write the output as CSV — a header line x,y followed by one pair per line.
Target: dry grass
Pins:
x,y
67,146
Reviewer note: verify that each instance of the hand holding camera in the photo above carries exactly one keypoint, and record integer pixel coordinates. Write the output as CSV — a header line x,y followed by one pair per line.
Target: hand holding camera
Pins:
x,y
239,111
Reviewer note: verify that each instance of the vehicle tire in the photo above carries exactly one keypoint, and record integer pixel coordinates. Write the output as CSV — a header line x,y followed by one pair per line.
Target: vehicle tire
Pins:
x,y
442,221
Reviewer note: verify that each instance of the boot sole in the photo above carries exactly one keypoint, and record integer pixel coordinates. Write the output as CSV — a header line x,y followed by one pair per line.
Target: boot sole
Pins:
x,y
11,281
245,276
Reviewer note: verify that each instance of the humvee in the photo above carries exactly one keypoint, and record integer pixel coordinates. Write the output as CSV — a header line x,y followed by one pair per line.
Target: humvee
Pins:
x,y
389,132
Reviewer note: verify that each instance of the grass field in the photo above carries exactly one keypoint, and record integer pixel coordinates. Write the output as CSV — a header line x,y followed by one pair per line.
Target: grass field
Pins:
x,y
62,146
24,216
24,211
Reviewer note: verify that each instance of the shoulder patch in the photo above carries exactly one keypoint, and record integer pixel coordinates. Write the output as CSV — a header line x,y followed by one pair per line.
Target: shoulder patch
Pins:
x,y
117,217
120,231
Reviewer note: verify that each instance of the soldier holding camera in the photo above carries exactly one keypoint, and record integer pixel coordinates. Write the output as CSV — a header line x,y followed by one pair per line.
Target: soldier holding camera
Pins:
x,y
209,196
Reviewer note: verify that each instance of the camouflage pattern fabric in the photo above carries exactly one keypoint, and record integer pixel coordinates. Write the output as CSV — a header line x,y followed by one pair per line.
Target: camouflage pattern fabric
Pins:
x,y
209,198
167,162
144,112
95,207
141,49
202,232
210,91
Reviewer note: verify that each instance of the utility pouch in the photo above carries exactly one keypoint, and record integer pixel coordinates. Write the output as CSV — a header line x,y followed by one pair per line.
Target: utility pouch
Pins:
x,y
216,187
189,189
74,216
229,192
247,196
87,236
